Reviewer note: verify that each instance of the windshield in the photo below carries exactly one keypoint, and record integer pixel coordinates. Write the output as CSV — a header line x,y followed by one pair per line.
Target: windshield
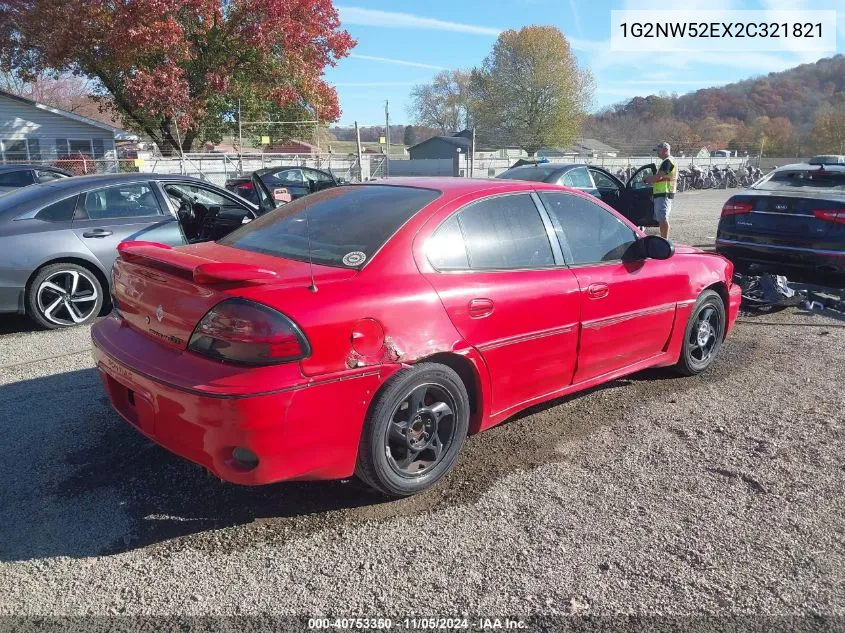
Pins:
x,y
536,174
345,225
792,179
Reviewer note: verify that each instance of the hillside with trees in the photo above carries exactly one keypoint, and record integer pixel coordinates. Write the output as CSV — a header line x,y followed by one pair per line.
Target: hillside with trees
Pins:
x,y
790,113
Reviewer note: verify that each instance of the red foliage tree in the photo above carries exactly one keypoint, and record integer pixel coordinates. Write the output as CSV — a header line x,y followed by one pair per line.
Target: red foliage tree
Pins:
x,y
166,63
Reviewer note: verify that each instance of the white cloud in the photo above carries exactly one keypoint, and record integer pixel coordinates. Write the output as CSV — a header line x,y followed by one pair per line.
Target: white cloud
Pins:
x,y
391,19
397,62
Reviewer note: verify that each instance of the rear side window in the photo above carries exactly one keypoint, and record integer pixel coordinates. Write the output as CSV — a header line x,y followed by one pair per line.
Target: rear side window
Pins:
x,y
344,225
20,178
593,234
61,211
505,233
446,249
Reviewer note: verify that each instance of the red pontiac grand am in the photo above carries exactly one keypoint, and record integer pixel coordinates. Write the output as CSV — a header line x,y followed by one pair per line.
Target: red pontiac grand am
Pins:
x,y
368,329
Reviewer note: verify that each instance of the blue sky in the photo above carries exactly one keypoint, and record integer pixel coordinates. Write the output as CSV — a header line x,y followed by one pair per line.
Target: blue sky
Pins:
x,y
403,43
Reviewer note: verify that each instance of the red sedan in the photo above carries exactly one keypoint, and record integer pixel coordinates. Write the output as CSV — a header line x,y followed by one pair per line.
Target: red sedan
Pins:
x,y
368,329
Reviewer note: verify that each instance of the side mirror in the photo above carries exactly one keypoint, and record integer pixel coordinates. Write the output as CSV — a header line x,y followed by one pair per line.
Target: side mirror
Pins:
x,y
655,247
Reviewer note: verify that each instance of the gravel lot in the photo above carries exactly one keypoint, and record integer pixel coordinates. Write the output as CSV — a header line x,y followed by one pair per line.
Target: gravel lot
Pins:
x,y
716,494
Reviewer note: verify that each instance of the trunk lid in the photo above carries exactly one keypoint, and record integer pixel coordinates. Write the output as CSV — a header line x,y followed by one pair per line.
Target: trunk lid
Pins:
x,y
164,292
785,217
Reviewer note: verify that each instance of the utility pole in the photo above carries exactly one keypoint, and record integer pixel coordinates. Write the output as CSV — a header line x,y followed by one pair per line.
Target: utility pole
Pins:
x,y
387,138
472,155
360,157
240,143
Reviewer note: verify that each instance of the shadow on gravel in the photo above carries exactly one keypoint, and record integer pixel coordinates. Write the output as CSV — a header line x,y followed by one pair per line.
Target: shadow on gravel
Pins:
x,y
79,481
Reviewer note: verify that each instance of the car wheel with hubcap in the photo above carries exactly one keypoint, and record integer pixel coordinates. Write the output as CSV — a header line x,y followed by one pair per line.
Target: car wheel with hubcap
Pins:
x,y
64,295
703,335
414,430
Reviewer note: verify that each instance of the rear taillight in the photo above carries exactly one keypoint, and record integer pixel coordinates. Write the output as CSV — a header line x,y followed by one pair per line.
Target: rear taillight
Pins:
x,y
736,208
245,185
830,215
248,333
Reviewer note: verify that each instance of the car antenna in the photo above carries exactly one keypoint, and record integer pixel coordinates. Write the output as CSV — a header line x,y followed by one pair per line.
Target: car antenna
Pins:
x,y
313,286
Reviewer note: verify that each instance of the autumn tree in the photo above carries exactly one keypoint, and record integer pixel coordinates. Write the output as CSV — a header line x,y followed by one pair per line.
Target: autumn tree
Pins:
x,y
828,133
530,91
442,103
163,64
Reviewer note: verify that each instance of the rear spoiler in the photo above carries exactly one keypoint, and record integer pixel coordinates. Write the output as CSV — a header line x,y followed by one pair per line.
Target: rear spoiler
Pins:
x,y
200,270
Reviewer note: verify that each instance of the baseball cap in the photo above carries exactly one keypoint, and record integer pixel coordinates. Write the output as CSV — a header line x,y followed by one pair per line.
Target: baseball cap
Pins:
x,y
662,145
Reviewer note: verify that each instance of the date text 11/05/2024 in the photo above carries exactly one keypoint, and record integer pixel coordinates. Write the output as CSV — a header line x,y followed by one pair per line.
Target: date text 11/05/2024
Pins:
x,y
418,624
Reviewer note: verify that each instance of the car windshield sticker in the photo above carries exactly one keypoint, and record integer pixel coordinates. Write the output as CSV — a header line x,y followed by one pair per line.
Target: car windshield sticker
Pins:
x,y
355,258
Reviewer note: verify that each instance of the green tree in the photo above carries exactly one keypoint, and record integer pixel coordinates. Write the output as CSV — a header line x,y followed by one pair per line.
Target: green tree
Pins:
x,y
183,66
443,103
410,136
530,91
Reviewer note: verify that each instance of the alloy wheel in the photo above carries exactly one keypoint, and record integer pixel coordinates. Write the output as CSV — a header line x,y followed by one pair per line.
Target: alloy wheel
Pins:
x,y
421,430
704,335
67,297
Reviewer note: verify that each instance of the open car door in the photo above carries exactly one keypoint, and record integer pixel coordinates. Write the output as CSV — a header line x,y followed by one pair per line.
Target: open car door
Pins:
x,y
639,204
267,199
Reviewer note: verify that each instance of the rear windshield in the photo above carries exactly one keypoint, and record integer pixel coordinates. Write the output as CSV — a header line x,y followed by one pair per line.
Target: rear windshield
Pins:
x,y
802,178
536,174
345,225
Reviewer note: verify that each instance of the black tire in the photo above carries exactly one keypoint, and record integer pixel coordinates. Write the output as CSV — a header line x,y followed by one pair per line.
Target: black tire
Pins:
x,y
64,295
693,358
386,443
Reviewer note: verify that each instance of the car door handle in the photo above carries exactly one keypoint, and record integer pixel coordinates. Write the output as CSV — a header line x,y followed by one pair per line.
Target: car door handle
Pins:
x,y
597,291
479,308
97,233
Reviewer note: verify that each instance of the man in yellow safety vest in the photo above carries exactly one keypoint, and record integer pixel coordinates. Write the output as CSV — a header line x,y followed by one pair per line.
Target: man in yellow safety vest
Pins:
x,y
664,183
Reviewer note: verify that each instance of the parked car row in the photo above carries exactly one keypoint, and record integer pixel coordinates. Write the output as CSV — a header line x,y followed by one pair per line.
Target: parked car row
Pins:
x,y
59,234
58,240
284,183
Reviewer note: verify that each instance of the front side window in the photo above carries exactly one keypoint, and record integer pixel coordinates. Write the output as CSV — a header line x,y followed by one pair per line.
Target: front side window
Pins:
x,y
341,226
317,176
594,235
290,176
578,178
133,200
505,233
603,181
637,179
196,195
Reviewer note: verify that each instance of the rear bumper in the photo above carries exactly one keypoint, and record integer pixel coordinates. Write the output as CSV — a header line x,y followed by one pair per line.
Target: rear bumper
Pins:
x,y
782,257
309,429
